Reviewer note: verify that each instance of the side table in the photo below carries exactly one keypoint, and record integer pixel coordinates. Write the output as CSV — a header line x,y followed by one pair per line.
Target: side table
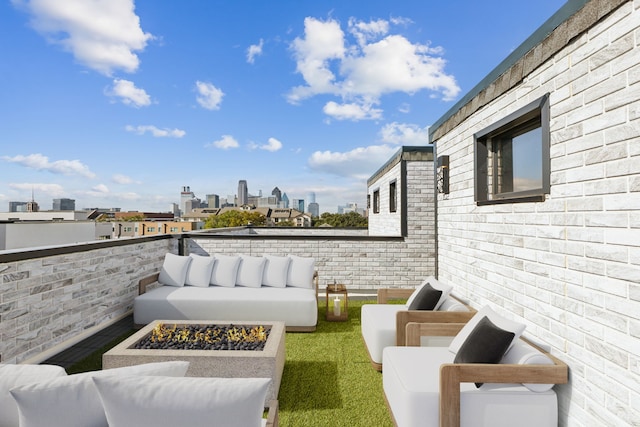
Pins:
x,y
337,309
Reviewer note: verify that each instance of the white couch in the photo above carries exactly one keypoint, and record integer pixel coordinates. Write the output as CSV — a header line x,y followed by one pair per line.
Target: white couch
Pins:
x,y
383,324
424,387
238,287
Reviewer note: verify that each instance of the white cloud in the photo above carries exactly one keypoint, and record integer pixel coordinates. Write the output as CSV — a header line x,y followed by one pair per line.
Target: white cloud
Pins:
x,y
352,111
404,108
39,162
224,143
129,94
52,190
158,133
272,145
360,162
209,96
253,51
123,179
373,64
101,34
404,134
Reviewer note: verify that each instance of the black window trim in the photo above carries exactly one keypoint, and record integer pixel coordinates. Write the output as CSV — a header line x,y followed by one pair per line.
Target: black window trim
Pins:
x,y
376,201
393,198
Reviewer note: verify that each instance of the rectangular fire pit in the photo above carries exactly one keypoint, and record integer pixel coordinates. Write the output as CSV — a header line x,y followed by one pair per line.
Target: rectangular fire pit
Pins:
x,y
266,363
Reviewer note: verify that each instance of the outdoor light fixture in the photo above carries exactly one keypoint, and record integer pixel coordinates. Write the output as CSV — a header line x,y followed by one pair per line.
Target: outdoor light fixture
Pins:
x,y
442,174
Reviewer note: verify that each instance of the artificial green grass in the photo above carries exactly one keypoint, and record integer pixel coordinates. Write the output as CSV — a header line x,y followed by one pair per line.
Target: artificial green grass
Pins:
x,y
327,379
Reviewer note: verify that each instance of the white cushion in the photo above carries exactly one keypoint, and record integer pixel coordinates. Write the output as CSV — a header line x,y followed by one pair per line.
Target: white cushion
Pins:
x,y
225,270
250,271
193,402
73,401
301,272
501,322
276,270
435,284
451,304
12,376
199,272
523,354
378,325
174,270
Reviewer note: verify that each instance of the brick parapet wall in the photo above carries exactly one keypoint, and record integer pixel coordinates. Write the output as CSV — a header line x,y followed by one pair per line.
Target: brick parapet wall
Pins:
x,y
568,267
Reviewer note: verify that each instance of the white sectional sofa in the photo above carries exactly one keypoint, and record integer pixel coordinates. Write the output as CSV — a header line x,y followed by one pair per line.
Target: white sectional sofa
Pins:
x,y
238,287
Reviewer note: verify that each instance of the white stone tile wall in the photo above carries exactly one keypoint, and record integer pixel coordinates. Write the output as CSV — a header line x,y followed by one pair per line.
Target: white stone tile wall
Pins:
x,y
385,222
568,267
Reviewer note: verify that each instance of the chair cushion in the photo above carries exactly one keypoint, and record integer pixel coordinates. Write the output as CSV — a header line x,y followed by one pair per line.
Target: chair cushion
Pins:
x,y
378,325
301,272
199,272
193,402
174,270
276,270
12,376
225,270
73,401
426,299
522,353
435,284
250,271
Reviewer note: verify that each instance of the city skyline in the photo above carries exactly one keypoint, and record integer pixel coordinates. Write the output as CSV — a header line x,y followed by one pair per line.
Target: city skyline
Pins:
x,y
121,103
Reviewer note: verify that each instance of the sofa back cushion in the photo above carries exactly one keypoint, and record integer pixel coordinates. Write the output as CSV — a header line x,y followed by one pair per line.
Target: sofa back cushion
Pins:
x,y
174,270
276,270
225,270
301,272
200,269
433,283
250,271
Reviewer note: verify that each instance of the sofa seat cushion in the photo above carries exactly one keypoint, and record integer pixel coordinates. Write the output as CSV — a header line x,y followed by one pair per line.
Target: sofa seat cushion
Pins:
x,y
378,325
411,385
295,306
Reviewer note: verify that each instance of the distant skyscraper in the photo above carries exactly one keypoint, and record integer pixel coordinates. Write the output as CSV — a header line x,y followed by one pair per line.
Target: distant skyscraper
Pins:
x,y
185,196
213,201
314,209
17,206
243,193
285,201
311,197
64,205
276,192
298,204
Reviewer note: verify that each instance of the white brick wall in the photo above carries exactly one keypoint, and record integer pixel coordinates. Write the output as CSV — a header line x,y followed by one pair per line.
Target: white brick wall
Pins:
x,y
568,267
386,223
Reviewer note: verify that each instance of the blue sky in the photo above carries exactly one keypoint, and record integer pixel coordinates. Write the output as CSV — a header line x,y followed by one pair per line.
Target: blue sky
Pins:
x,y
116,103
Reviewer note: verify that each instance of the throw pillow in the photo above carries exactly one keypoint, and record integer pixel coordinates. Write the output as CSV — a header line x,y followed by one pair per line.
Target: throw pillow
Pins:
x,y
435,284
225,270
426,299
486,343
276,269
174,270
250,271
193,401
301,272
496,319
12,376
199,272
73,401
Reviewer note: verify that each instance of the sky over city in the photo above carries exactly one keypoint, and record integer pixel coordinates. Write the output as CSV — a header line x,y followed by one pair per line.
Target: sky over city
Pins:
x,y
119,104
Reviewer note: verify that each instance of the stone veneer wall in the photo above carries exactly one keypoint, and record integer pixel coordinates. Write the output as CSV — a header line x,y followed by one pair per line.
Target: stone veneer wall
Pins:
x,y
48,302
568,267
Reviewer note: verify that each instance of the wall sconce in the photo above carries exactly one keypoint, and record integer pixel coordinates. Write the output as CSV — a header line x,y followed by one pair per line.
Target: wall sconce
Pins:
x,y
442,174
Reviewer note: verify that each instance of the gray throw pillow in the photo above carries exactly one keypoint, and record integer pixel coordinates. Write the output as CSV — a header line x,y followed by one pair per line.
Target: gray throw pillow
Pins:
x,y
486,343
426,299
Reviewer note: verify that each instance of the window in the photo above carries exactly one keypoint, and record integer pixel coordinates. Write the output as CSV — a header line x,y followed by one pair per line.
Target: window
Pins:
x,y
376,201
512,157
393,198
368,201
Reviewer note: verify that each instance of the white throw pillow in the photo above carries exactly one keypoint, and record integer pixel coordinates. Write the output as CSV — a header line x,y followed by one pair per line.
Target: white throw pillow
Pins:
x,y
199,272
12,376
301,272
435,284
193,401
73,401
276,269
225,270
250,271
174,270
499,321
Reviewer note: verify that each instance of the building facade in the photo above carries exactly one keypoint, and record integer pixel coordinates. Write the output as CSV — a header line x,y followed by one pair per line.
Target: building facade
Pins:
x,y
64,205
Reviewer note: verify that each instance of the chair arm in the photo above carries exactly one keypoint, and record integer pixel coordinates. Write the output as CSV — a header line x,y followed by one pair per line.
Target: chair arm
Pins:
x,y
272,414
404,317
385,294
146,281
414,331
452,374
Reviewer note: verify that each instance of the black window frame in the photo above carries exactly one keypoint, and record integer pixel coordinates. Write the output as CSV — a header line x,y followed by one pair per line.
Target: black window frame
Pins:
x,y
485,176
393,196
376,201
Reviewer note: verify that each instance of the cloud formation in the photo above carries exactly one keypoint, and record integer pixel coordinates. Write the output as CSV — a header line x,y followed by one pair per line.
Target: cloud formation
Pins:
x,y
225,143
103,35
272,145
404,134
253,51
123,179
129,94
209,97
358,163
361,66
39,162
53,190
158,133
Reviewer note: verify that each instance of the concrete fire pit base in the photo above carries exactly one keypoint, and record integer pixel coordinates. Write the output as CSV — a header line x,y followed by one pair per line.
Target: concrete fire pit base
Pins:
x,y
266,363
